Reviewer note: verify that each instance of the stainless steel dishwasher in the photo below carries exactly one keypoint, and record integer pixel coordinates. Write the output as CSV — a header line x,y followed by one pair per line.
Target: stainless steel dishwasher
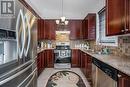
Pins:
x,y
103,74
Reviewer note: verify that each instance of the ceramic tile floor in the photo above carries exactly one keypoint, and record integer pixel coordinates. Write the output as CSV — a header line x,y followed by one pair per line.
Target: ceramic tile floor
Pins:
x,y
45,75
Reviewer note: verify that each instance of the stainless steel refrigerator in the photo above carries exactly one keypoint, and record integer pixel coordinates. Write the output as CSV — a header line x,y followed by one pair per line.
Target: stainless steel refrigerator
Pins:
x,y
18,48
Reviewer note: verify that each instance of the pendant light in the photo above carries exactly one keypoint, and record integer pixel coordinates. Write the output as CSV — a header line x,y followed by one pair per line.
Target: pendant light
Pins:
x,y
62,20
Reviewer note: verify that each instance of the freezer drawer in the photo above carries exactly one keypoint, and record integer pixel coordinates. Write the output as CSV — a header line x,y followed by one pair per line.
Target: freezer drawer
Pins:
x,y
24,78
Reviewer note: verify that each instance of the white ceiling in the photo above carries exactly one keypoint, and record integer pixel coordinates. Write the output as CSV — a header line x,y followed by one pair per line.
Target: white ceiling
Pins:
x,y
72,9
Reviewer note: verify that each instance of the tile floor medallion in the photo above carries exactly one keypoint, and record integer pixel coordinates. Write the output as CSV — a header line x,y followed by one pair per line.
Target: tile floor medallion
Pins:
x,y
65,79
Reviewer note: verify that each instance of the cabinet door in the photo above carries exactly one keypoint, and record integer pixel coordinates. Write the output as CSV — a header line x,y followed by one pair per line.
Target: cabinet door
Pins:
x,y
75,27
39,63
123,80
85,29
89,67
42,33
91,26
43,60
83,62
49,29
114,17
49,56
39,29
127,16
75,61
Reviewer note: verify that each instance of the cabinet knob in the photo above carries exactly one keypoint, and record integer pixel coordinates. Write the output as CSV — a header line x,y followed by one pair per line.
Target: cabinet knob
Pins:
x,y
119,75
122,30
126,29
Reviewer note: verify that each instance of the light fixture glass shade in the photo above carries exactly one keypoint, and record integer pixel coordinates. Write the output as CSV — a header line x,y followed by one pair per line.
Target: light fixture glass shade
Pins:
x,y
63,19
57,21
66,22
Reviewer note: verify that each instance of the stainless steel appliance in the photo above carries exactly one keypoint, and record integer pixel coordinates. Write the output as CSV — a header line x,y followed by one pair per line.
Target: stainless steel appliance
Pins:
x,y
103,74
18,41
62,56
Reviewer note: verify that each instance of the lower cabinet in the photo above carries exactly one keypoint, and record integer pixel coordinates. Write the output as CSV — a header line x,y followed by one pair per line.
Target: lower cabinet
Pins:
x,y
86,65
49,58
45,59
123,80
40,62
75,61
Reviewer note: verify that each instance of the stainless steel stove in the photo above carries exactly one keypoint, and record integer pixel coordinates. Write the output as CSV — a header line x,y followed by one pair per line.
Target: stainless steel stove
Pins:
x,y
62,56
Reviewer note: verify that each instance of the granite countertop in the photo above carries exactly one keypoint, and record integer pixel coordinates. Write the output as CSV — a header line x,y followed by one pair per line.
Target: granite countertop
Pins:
x,y
119,63
39,50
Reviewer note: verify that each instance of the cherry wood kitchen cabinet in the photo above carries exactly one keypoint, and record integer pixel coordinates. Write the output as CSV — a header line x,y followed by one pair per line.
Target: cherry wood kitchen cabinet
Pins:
x,y
83,62
91,21
39,29
89,27
40,62
86,66
49,58
46,29
49,29
117,17
84,29
75,27
123,80
75,61
40,33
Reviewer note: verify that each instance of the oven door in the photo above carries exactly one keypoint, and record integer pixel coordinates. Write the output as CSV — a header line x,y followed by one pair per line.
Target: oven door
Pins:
x,y
62,56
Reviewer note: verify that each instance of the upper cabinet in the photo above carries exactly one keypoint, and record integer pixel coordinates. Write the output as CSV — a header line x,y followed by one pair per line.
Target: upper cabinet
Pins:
x,y
117,16
49,29
46,29
75,27
40,24
91,20
89,27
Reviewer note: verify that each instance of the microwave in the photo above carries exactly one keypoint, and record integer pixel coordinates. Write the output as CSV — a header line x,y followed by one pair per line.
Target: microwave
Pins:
x,y
7,34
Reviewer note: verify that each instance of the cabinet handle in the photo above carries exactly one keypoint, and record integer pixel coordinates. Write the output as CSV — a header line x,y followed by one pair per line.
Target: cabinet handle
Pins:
x,y
122,30
119,75
126,29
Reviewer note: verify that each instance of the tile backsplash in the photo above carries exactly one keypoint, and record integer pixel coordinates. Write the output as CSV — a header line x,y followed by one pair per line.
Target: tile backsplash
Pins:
x,y
123,48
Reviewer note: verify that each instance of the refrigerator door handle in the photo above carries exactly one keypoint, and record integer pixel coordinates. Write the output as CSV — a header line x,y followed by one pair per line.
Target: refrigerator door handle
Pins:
x,y
29,35
20,30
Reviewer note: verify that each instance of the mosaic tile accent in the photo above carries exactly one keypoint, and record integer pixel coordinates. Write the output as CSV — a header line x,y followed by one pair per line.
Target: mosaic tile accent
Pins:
x,y
123,48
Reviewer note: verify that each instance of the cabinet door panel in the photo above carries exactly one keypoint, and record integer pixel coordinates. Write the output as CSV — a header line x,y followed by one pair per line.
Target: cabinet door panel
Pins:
x,y
75,27
75,58
91,26
49,55
50,27
115,17
123,81
127,15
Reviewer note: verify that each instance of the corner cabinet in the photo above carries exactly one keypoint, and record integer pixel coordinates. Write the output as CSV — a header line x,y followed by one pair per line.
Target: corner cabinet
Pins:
x,y
117,17
91,18
89,27
123,80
